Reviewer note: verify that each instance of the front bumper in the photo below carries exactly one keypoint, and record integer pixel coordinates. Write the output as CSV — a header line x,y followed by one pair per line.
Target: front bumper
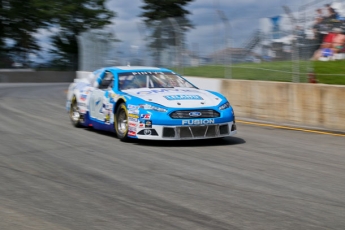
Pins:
x,y
185,132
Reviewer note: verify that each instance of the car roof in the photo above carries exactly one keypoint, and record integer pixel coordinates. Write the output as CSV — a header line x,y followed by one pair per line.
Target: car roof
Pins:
x,y
135,68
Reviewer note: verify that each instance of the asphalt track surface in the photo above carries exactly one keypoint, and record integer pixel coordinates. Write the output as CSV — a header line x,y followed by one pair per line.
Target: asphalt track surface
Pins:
x,y
55,176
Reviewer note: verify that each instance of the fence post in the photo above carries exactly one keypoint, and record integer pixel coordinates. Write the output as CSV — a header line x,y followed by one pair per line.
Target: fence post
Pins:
x,y
228,51
177,43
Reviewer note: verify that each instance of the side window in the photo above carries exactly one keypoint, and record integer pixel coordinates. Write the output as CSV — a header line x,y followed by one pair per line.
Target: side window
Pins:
x,y
107,81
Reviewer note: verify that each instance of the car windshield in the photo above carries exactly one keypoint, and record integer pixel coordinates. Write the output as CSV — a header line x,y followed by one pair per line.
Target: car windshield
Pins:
x,y
136,80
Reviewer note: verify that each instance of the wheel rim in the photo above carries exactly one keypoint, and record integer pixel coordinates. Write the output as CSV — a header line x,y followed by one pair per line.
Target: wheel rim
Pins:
x,y
122,122
75,115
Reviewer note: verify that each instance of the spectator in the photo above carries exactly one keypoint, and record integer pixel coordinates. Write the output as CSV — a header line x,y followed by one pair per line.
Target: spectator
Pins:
x,y
318,37
325,47
333,43
338,41
319,14
332,14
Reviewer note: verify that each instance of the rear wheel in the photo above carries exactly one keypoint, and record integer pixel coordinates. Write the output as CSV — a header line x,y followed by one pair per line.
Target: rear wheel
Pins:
x,y
74,113
121,122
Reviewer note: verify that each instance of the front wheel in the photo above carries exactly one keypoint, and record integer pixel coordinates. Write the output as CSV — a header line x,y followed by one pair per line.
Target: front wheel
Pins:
x,y
74,113
121,122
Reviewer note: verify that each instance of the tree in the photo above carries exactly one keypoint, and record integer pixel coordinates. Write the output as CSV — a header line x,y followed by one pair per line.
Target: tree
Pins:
x,y
20,20
3,17
168,23
18,26
72,18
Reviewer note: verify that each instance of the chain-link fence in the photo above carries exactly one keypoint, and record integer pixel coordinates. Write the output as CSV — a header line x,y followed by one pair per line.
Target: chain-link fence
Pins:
x,y
95,50
281,49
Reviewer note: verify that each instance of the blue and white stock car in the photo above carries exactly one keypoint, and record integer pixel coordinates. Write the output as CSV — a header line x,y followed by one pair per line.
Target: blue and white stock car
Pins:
x,y
148,103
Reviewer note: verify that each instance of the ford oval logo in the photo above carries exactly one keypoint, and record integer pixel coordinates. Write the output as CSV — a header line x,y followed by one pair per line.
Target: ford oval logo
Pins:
x,y
195,114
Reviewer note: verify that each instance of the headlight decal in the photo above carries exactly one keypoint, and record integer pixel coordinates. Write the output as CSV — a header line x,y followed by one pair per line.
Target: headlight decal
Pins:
x,y
224,106
154,108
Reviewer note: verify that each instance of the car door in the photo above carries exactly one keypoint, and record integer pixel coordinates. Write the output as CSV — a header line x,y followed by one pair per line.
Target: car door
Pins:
x,y
100,104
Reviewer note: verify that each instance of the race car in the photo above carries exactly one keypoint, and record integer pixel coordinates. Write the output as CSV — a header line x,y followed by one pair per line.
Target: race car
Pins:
x,y
148,103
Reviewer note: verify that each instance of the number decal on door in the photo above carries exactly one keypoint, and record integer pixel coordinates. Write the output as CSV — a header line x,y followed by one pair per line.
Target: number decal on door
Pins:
x,y
96,105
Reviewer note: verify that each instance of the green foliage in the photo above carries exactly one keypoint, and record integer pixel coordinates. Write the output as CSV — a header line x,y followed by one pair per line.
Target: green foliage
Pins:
x,y
3,21
65,50
19,26
168,23
330,72
21,19
73,18
156,10
79,15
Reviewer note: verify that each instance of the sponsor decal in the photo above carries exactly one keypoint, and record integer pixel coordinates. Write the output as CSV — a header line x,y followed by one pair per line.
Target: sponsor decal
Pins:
x,y
113,97
132,119
195,114
132,124
146,72
141,124
133,111
132,133
86,90
198,122
108,106
133,115
133,129
144,92
145,116
153,91
83,97
148,124
81,104
147,132
82,111
151,107
133,107
183,97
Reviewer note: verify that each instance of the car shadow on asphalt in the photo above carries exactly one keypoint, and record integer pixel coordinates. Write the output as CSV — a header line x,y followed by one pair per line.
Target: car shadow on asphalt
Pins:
x,y
178,143
192,143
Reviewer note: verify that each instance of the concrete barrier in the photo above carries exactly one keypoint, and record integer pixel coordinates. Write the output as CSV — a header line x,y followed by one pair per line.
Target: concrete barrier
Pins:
x,y
311,105
37,76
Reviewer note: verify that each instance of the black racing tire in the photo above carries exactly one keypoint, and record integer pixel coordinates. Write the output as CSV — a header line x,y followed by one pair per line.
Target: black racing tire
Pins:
x,y
74,113
121,122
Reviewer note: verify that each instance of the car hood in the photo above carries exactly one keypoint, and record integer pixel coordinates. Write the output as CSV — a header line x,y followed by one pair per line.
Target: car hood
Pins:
x,y
176,97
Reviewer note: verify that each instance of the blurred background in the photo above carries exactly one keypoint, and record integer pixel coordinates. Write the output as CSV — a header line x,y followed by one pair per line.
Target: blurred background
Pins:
x,y
280,41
